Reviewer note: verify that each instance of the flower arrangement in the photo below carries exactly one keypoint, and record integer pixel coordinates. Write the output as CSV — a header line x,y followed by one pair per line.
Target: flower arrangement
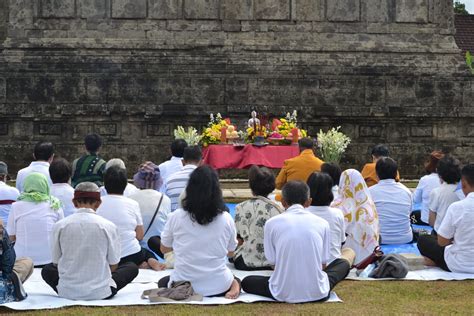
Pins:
x,y
191,135
252,132
212,133
287,124
332,144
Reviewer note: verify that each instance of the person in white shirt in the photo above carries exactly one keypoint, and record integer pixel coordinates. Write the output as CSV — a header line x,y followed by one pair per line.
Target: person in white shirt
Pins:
x,y
202,234
155,208
393,203
334,171
427,183
452,250
441,198
60,171
297,243
130,189
175,164
32,218
176,183
8,194
86,252
320,185
43,155
125,214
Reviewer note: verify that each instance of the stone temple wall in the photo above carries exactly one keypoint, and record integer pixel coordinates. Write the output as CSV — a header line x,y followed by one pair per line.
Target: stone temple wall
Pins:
x,y
385,70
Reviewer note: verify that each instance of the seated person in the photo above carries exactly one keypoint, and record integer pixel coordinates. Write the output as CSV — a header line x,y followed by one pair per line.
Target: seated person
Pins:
x,y
155,208
393,203
449,172
60,172
86,252
125,214
250,217
202,234
43,155
90,167
425,186
148,177
297,244
32,218
368,172
334,171
8,194
320,186
130,188
300,167
175,163
452,250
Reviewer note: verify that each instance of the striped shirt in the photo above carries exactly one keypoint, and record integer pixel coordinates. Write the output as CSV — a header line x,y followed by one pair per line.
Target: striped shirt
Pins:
x,y
176,183
88,168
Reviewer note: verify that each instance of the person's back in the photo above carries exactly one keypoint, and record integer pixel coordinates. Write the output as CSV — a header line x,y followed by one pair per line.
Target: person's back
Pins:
x,y
423,192
8,194
43,155
60,171
175,163
368,171
89,167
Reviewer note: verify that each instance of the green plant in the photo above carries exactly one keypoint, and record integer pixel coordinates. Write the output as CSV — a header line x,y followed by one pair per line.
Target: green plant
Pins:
x,y
470,61
332,144
191,136
460,8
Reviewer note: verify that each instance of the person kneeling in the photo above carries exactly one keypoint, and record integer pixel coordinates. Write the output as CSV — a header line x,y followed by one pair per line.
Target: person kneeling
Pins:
x,y
288,238
86,252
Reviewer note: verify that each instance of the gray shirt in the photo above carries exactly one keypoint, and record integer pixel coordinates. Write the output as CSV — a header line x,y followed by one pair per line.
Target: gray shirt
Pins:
x,y
84,245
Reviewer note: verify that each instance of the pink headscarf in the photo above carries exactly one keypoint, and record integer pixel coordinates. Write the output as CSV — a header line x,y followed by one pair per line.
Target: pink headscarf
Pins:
x,y
360,214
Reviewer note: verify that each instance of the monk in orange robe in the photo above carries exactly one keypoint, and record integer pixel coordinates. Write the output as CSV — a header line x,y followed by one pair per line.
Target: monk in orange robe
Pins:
x,y
368,172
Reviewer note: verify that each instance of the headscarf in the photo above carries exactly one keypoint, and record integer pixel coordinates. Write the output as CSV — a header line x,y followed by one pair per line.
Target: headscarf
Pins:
x,y
360,214
36,190
148,176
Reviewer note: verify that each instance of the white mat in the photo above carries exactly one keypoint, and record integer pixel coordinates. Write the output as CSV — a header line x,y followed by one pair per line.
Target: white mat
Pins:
x,y
41,296
427,274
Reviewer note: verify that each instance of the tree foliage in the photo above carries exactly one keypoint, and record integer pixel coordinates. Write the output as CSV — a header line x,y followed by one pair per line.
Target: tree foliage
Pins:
x,y
460,8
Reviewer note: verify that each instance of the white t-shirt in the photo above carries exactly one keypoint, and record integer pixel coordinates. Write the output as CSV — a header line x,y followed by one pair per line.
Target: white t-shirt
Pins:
x,y
7,193
440,199
125,214
84,245
36,166
32,224
458,225
65,193
335,219
297,243
201,251
148,201
176,184
130,189
422,194
393,203
169,167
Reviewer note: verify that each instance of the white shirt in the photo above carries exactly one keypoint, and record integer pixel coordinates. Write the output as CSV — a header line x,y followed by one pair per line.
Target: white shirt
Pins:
x,y
32,224
84,245
176,184
65,193
297,243
36,166
335,219
125,214
458,224
201,251
393,203
148,201
440,199
7,193
169,167
422,194
130,189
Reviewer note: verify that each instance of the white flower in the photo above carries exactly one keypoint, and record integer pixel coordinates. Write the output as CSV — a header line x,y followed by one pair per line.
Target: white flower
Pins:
x,y
332,144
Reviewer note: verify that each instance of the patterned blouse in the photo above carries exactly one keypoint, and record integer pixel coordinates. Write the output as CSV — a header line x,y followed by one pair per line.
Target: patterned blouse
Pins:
x,y
250,218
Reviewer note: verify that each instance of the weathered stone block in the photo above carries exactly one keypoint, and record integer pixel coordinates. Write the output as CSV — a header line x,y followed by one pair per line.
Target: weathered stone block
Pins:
x,y
106,129
272,9
3,129
92,9
57,8
3,90
375,92
201,9
49,128
421,131
371,131
158,130
343,10
165,9
237,9
379,11
412,11
128,9
308,10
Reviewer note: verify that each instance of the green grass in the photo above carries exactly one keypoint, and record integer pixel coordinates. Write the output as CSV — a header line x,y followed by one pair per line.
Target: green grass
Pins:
x,y
360,298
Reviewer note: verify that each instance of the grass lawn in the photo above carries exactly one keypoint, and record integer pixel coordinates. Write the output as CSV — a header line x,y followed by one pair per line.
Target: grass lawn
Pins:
x,y
360,298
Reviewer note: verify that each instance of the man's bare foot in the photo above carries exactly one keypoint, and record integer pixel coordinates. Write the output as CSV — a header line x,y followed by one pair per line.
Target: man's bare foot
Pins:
x,y
156,265
429,262
234,291
144,265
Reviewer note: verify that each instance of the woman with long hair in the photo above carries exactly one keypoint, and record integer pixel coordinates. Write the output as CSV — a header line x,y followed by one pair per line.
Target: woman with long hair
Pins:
x,y
202,234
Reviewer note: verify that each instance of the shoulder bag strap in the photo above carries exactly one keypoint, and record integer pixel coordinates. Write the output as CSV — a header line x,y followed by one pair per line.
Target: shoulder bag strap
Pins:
x,y
154,215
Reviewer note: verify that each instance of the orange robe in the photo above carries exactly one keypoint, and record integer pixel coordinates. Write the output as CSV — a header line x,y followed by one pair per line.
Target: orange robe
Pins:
x,y
299,168
370,175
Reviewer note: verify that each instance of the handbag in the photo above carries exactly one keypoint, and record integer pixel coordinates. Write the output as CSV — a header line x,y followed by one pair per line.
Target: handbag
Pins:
x,y
154,215
179,291
375,256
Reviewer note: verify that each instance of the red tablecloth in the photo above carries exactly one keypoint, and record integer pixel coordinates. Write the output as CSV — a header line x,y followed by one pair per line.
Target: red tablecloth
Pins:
x,y
231,157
